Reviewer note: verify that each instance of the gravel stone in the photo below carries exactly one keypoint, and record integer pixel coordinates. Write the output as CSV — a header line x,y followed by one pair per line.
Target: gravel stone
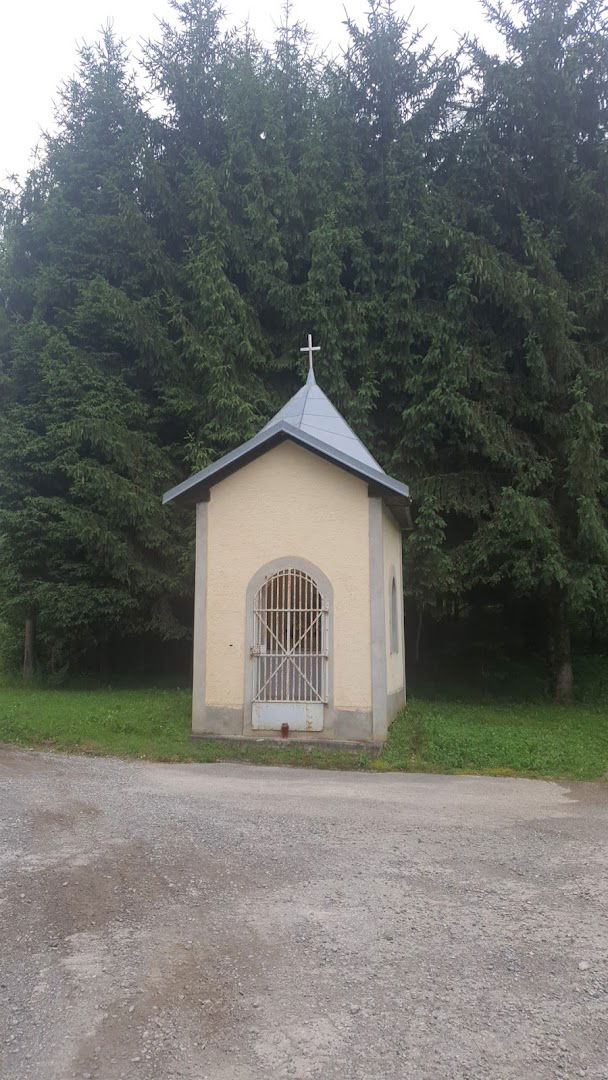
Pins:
x,y
222,921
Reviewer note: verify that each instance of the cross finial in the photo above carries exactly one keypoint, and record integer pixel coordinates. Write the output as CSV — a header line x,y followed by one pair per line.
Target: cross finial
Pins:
x,y
310,349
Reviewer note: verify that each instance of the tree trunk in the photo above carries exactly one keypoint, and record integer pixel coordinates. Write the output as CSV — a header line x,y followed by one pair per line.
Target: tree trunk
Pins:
x,y
418,637
561,654
28,648
103,662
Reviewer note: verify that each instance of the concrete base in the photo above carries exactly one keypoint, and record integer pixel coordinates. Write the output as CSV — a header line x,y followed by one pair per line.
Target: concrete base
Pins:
x,y
340,725
271,740
217,720
352,724
394,704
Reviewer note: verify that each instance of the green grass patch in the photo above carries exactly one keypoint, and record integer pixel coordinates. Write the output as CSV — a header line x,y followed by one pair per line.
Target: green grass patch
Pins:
x,y
538,739
504,739
152,724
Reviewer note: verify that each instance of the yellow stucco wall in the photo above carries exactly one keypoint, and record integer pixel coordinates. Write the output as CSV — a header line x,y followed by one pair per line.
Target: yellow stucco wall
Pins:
x,y
289,502
393,563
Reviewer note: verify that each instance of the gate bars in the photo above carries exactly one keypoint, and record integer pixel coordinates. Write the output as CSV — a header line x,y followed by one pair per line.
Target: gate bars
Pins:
x,y
290,639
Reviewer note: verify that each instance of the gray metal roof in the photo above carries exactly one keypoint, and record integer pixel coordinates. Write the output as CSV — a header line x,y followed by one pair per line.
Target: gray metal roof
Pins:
x,y
311,410
310,420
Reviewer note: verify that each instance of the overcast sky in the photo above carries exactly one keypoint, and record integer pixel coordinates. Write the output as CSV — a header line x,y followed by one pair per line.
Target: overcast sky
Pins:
x,y
39,38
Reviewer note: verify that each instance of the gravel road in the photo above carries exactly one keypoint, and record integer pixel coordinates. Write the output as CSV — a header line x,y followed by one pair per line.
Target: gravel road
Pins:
x,y
239,923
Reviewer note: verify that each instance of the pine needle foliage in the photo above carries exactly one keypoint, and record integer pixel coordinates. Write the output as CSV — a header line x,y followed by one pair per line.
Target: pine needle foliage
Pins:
x,y
439,222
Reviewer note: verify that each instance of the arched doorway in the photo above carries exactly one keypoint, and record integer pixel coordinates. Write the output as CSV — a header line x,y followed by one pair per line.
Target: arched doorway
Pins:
x,y
290,652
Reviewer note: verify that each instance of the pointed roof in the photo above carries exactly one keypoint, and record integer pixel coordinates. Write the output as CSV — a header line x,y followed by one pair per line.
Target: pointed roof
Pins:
x,y
310,410
310,420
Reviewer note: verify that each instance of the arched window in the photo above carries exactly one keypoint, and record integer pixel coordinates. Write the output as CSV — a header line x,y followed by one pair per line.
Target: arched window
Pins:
x,y
394,617
290,639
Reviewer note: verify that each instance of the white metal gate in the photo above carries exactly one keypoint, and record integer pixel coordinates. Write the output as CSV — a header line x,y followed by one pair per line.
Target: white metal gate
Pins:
x,y
290,653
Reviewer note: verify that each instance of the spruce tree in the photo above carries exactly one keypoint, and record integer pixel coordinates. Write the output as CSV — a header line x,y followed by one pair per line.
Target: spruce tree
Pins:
x,y
88,557
245,181
215,399
511,385
439,224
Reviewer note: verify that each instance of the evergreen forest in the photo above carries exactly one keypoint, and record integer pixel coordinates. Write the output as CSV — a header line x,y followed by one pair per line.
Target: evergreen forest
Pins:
x,y
438,221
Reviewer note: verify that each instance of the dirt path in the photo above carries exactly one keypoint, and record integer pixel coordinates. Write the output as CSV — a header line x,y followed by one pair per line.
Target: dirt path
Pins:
x,y
238,923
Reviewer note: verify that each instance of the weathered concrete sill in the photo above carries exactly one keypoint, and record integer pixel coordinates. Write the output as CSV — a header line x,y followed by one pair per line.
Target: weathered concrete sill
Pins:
x,y
293,740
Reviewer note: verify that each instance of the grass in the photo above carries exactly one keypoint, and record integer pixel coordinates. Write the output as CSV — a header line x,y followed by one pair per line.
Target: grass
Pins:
x,y
539,739
153,724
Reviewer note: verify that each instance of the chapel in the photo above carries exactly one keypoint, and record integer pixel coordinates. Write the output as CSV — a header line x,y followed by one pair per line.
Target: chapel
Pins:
x,y
298,606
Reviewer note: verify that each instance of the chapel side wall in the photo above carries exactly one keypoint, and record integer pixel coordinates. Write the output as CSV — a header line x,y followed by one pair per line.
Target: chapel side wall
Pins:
x,y
199,654
393,564
288,502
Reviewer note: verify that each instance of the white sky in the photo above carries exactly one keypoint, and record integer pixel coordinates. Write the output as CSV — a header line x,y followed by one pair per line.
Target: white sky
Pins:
x,y
39,38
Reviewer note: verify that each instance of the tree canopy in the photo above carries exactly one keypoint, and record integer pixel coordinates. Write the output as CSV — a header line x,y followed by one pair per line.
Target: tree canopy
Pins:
x,y
439,221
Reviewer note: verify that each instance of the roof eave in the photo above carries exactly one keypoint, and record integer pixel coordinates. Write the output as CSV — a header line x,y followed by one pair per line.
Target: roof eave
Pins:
x,y
228,463
192,490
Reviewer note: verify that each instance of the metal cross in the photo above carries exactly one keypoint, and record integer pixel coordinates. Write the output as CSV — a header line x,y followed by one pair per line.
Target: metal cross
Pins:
x,y
310,348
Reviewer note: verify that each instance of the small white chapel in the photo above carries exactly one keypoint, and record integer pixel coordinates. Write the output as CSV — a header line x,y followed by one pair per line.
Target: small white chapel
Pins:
x,y
298,607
